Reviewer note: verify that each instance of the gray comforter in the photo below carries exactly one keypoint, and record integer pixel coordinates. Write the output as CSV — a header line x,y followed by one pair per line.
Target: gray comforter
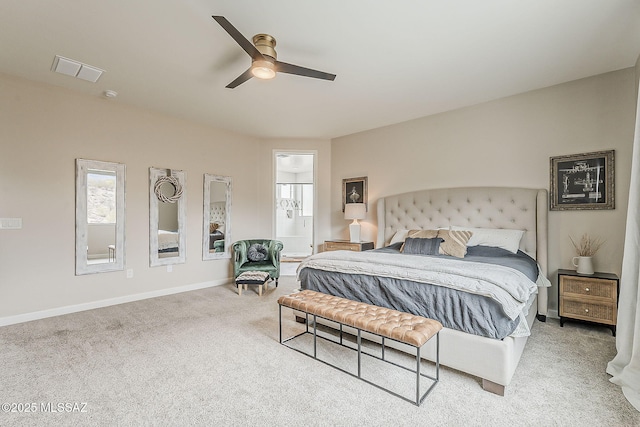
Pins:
x,y
455,309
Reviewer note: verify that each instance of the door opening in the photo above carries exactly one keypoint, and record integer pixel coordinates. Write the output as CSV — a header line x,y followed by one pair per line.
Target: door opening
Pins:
x,y
294,204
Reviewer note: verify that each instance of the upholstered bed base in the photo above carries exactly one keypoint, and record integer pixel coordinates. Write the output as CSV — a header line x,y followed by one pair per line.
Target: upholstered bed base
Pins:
x,y
492,360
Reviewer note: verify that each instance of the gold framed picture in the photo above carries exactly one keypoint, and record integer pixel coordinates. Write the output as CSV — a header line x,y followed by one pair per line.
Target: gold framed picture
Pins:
x,y
582,181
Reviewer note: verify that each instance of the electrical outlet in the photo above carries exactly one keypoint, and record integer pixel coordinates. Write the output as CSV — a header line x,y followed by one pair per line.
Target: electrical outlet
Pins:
x,y
169,268
129,273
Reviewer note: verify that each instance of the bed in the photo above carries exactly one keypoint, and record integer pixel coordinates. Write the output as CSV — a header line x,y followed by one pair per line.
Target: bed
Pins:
x,y
217,219
408,282
167,241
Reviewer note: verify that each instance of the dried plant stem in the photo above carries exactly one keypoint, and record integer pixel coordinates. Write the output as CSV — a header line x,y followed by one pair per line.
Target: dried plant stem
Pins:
x,y
587,246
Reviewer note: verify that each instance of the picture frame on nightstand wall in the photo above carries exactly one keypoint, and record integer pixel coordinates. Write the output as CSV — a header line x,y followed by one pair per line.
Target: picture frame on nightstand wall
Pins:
x,y
582,181
354,190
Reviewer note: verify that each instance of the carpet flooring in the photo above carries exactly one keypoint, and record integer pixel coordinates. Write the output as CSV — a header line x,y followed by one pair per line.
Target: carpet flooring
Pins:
x,y
211,357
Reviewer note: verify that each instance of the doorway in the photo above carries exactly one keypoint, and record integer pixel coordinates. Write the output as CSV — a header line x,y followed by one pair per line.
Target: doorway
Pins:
x,y
294,203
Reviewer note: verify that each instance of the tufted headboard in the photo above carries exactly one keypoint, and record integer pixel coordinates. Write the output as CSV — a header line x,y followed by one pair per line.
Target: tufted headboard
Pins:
x,y
218,214
485,207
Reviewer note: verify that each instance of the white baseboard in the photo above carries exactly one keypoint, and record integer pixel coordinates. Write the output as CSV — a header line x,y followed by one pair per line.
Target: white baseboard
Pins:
x,y
36,315
553,314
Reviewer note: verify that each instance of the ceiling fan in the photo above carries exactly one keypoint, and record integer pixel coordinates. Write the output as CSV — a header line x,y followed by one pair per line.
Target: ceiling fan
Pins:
x,y
264,64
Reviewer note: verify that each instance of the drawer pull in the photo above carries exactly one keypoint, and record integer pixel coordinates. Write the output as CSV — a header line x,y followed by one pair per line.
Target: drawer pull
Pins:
x,y
586,310
586,289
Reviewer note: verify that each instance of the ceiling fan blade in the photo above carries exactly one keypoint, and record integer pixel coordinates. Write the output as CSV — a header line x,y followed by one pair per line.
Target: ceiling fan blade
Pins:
x,y
240,79
238,37
283,67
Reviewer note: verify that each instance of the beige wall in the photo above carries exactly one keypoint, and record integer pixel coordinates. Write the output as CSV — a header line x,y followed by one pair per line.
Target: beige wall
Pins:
x,y
43,129
506,142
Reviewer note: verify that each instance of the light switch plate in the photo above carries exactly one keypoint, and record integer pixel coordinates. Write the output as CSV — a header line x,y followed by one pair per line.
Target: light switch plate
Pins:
x,y
10,223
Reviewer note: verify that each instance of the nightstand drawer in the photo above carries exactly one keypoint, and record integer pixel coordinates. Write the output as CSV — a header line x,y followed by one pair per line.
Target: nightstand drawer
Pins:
x,y
591,311
345,245
588,287
592,298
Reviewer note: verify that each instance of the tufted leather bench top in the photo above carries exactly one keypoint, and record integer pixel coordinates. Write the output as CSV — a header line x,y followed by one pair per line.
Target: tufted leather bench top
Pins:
x,y
404,327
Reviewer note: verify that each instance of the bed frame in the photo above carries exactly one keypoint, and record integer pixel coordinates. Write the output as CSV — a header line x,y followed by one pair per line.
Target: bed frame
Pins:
x,y
494,361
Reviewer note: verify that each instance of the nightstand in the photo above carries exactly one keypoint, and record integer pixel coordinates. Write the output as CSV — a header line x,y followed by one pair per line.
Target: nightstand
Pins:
x,y
590,298
346,245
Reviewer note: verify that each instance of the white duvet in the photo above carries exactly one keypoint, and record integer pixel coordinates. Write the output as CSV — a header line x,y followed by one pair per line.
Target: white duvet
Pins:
x,y
167,239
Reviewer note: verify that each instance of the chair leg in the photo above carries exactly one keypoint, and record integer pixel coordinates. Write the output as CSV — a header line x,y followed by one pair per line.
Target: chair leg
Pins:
x,y
276,282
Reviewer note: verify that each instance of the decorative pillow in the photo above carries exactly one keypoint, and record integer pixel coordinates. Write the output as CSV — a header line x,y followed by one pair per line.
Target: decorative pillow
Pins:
x,y
399,237
420,234
497,237
419,246
257,252
455,242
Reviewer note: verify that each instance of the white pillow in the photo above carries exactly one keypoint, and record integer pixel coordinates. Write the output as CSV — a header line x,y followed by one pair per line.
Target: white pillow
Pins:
x,y
399,236
497,237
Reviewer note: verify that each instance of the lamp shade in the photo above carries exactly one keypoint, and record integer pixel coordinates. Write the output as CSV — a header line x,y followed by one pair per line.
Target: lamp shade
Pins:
x,y
355,211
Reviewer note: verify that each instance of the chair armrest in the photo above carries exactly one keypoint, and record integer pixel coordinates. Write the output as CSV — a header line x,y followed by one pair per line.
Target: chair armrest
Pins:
x,y
240,249
275,246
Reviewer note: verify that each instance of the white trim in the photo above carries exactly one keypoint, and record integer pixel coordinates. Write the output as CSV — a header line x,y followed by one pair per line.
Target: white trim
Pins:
x,y
43,314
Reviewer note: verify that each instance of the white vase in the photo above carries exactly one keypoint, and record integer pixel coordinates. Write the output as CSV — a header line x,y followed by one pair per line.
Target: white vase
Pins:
x,y
583,264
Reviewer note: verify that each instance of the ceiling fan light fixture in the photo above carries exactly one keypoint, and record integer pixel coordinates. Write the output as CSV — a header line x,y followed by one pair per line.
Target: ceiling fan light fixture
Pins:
x,y
263,55
263,69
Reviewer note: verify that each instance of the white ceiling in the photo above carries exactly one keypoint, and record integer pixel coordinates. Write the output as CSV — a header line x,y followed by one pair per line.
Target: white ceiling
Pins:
x,y
395,60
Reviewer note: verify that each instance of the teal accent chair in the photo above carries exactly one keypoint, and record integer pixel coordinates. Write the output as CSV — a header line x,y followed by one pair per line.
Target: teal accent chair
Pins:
x,y
270,265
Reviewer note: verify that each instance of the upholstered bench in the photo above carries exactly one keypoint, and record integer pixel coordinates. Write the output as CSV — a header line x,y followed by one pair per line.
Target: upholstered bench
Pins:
x,y
385,323
257,278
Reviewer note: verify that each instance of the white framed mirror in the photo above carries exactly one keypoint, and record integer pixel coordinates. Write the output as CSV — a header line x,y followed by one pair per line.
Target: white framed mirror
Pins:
x,y
99,216
167,216
216,220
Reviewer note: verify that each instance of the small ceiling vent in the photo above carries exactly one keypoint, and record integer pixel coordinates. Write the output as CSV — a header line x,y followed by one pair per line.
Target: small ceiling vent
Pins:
x,y
77,69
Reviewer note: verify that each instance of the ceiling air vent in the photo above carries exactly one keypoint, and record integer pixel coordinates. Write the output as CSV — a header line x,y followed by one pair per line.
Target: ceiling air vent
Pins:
x,y
77,69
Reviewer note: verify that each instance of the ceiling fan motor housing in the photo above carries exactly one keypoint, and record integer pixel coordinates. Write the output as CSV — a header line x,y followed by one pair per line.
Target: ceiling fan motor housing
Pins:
x,y
266,45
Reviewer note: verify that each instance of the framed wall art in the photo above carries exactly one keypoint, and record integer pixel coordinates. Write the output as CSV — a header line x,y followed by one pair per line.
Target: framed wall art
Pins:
x,y
354,190
582,181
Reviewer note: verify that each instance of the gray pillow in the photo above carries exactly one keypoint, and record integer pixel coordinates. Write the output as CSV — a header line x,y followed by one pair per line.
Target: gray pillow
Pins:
x,y
257,252
419,246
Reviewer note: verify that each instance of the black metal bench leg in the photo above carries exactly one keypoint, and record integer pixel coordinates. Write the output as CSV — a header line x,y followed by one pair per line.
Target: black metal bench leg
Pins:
x,y
315,337
418,376
359,353
280,321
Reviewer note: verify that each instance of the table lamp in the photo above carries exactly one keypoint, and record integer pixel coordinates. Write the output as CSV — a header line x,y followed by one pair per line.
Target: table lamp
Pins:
x,y
355,211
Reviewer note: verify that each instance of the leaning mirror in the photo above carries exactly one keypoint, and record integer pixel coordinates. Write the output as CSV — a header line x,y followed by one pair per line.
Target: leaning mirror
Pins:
x,y
216,231
99,216
167,217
